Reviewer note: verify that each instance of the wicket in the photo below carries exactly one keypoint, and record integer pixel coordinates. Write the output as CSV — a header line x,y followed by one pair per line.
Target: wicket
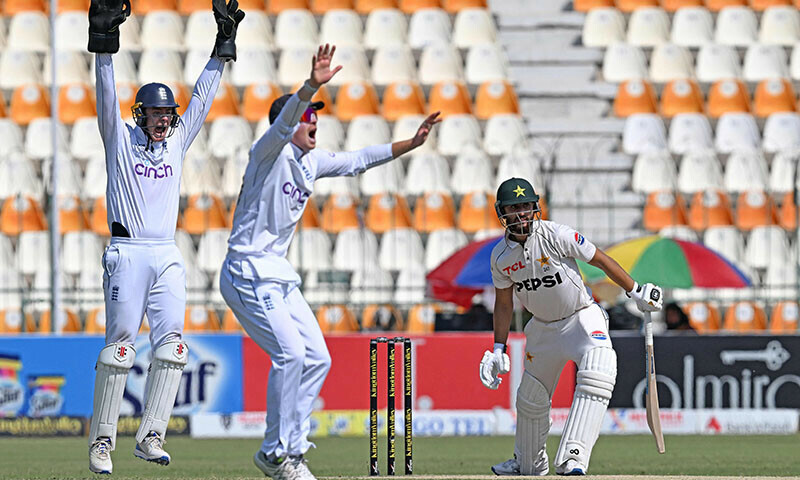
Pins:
x,y
391,380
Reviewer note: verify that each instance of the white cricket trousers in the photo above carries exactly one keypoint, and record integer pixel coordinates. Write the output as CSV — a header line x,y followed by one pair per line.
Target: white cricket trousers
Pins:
x,y
548,346
278,319
143,276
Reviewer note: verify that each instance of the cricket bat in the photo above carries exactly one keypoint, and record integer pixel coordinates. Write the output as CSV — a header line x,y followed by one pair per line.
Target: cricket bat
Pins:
x,y
651,391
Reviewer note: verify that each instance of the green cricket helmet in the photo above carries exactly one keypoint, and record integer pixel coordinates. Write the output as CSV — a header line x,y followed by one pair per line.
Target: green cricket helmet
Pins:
x,y
512,192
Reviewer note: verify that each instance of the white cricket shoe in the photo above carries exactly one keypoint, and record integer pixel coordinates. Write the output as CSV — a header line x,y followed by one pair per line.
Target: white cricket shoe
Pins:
x,y
571,468
100,456
278,471
152,449
301,467
509,467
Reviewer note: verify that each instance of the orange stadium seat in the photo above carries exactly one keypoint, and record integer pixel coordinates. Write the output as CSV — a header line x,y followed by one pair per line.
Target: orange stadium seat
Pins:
x,y
11,320
257,100
73,6
252,5
311,215
321,6
634,96
99,219
226,102
13,7
2,105
72,323
754,209
744,317
366,6
476,212
761,5
402,98
71,215
322,95
411,6
663,209
681,96
787,213
381,317
495,98
75,101
143,7
772,96
182,97
204,212
586,5
543,208
145,325
434,211
21,214
674,5
231,212
29,102
229,322
717,5
784,318
96,321
200,319
336,319
339,213
387,211
354,99
454,6
628,6
422,318
703,316
727,96
275,7
187,7
710,209
450,98
126,94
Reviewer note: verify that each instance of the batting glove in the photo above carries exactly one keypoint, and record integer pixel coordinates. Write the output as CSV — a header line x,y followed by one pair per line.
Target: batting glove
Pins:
x,y
493,364
648,297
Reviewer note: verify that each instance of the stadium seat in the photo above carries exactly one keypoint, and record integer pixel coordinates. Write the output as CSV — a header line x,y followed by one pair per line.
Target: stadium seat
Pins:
x,y
458,131
197,59
38,129
226,103
449,98
411,6
330,133
737,131
160,65
11,288
787,212
406,127
391,64
623,62
30,248
80,251
703,316
522,164
761,5
473,26
402,98
336,319
69,179
336,185
387,211
699,170
422,317
339,213
228,135
456,6
125,69
144,7
504,133
780,25
736,26
162,29
783,319
355,249
429,26
629,6
75,101
411,285
356,99
692,25
767,245
200,319
212,249
70,323
28,31
366,130
690,132
653,171
587,5
710,208
643,132
603,27
441,244
485,63
401,248
681,96
670,62
476,212
18,177
185,244
745,316
717,5
365,7
258,97
728,96
29,103
745,170
354,63
472,172
19,68
204,212
320,7
94,181
253,66
717,62
293,64
387,178
95,321
72,216
384,27
726,240
780,282
126,94
440,63
275,7
72,30
11,139
6,253
310,250
781,132
679,232
762,62
371,285
85,140
13,7
381,317
494,98
99,219
434,211
782,173
754,208
634,96
200,175
311,215
648,27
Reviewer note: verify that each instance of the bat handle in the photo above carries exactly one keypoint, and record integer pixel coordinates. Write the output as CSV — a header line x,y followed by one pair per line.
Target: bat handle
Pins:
x,y
648,329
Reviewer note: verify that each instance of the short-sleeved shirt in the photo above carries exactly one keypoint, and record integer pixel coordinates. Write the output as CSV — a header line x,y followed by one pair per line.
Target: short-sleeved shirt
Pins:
x,y
543,271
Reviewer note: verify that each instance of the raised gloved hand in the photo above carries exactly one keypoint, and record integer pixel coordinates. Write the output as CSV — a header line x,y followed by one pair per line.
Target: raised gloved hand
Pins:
x,y
648,297
228,17
493,364
105,17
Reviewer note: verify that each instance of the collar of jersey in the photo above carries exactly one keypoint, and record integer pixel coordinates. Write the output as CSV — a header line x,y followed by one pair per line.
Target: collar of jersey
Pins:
x,y
142,138
297,151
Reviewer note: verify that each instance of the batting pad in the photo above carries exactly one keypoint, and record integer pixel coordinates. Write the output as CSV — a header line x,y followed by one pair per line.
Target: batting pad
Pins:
x,y
596,377
163,379
533,424
113,364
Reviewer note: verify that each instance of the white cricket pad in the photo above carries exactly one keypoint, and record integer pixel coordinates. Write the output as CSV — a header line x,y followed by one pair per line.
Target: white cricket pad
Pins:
x,y
533,424
113,364
597,375
163,379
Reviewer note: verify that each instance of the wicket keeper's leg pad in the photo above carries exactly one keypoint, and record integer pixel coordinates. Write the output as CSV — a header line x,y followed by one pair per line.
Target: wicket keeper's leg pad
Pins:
x,y
105,17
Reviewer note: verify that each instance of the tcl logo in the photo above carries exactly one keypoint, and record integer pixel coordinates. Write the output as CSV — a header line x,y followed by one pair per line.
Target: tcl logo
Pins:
x,y
514,267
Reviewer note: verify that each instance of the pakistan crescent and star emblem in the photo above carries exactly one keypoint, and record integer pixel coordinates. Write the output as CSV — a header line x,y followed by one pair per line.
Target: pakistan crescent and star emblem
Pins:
x,y
519,191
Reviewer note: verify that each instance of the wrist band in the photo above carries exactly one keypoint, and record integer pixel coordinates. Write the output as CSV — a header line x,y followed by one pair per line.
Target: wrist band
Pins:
x,y
307,86
500,346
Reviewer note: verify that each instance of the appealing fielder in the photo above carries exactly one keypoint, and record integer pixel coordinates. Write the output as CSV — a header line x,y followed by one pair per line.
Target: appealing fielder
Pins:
x,y
536,262
260,285
143,268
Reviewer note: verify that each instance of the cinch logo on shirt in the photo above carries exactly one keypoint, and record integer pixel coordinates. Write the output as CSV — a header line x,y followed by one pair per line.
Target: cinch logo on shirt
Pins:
x,y
532,284
294,192
145,171
514,267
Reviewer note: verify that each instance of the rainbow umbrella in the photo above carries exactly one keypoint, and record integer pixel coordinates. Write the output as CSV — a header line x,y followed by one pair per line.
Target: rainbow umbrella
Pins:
x,y
670,263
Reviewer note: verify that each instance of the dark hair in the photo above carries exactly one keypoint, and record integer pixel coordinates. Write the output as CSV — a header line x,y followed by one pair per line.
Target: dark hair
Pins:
x,y
683,319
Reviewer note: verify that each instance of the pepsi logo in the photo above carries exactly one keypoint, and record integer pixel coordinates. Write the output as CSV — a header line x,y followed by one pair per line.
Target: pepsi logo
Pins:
x,y
579,238
599,335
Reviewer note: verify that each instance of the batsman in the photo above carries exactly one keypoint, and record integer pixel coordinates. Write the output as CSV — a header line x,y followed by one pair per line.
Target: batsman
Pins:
x,y
536,263
143,270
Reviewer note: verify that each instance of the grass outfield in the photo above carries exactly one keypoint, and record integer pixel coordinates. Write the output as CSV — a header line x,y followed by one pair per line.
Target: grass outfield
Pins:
x,y
454,457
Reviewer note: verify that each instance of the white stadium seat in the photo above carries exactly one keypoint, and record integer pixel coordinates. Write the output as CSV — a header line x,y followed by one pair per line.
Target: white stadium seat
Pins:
x,y
783,171
699,171
129,35
643,131
603,27
310,250
233,172
72,31
654,171
386,178
38,129
160,65
780,282
736,26
366,130
70,180
411,286
456,132
19,67
670,62
6,253
162,29
336,185
194,64
393,63
745,170
30,248
70,68
11,288
212,249
680,232
296,28
692,27
427,172
623,62
406,127
780,25
253,66
94,182
763,62
18,176
80,251
330,133
473,26
717,62
486,63
372,285
504,133
229,135
726,240
124,68
255,31
767,245
341,27
86,140
355,249
442,244
354,63
520,163
386,26
690,131
472,172
429,26
782,132
737,131
11,139
200,175
401,249
29,31
293,66
648,27
440,63
201,31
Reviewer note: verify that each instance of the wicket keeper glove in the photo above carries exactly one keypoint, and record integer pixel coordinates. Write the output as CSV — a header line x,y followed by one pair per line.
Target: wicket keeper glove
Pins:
x,y
493,364
648,297
228,18
105,17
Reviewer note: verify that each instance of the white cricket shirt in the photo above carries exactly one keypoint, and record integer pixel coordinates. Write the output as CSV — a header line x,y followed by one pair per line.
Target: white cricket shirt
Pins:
x,y
144,178
543,271
277,182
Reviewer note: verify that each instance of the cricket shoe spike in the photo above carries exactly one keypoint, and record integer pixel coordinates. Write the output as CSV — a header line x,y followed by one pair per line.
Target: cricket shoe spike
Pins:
x,y
152,449
571,468
100,456
301,467
285,470
508,468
